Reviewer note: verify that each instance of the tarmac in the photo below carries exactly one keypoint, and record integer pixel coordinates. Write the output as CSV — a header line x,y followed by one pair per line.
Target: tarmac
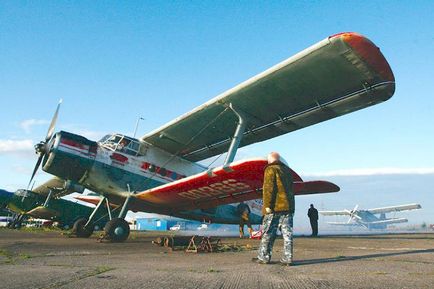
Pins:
x,y
39,259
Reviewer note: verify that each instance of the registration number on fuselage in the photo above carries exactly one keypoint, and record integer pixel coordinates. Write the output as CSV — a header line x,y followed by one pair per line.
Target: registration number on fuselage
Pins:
x,y
225,187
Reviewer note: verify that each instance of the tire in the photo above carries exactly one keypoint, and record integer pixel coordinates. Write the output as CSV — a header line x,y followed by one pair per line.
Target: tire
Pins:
x,y
14,225
80,230
117,230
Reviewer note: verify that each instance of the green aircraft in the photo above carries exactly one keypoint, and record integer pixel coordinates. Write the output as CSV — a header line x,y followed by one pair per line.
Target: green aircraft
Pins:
x,y
25,203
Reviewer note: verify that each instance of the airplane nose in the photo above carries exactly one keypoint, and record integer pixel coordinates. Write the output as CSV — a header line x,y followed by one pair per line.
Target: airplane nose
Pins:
x,y
5,196
70,156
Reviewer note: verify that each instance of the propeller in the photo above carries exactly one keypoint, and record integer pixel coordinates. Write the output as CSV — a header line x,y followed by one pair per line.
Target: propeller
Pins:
x,y
42,147
353,214
26,193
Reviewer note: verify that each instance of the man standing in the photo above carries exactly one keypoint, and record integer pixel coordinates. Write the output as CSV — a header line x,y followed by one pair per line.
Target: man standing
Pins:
x,y
312,213
278,209
244,213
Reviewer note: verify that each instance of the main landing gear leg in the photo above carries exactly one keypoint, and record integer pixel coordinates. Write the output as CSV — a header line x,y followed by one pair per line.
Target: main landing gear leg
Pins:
x,y
83,228
117,229
16,222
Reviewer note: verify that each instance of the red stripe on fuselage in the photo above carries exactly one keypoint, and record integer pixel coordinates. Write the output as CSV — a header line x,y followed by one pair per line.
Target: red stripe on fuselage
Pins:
x,y
83,152
119,158
75,144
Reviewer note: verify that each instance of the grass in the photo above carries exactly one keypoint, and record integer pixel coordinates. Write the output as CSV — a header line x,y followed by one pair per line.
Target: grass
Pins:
x,y
212,270
24,256
11,257
8,255
380,273
41,229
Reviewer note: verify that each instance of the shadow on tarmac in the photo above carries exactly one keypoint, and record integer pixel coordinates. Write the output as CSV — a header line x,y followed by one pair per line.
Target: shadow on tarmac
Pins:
x,y
352,258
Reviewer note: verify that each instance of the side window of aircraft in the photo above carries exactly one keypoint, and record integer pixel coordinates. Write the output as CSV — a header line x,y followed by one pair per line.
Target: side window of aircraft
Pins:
x,y
123,145
162,171
142,149
128,146
134,146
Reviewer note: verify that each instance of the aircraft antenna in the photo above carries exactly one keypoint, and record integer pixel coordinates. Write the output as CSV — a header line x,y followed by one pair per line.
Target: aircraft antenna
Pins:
x,y
137,125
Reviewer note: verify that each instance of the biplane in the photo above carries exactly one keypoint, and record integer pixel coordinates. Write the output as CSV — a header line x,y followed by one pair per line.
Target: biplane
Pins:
x,y
160,172
23,204
368,219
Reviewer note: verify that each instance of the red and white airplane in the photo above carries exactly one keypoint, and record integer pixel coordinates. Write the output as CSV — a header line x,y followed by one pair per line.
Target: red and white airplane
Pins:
x,y
159,173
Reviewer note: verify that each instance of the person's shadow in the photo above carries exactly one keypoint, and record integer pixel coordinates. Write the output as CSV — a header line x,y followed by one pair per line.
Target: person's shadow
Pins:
x,y
352,258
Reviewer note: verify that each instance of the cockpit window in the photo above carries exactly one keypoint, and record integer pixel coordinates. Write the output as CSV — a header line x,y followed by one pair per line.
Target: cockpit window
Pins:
x,y
121,143
104,138
21,193
24,193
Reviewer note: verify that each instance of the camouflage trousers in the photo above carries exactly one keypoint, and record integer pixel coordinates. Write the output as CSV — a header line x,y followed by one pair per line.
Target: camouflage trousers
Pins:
x,y
270,225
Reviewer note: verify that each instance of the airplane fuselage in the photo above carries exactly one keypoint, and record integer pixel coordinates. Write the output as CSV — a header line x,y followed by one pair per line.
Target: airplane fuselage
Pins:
x,y
118,165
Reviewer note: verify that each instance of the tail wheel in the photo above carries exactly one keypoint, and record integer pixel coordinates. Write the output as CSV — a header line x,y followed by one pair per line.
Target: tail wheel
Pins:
x,y
117,230
80,230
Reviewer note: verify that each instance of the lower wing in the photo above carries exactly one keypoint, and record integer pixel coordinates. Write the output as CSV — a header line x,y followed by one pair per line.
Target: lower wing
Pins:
x,y
242,181
344,224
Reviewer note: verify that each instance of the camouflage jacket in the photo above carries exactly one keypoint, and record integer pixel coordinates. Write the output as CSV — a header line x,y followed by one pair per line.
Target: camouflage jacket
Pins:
x,y
277,191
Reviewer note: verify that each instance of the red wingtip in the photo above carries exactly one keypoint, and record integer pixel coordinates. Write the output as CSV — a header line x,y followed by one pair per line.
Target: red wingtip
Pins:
x,y
369,52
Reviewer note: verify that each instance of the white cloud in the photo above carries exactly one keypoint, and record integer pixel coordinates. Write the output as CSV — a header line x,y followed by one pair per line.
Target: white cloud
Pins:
x,y
20,147
373,171
24,170
27,124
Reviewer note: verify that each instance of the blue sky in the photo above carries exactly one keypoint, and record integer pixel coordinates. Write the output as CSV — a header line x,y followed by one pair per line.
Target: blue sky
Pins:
x,y
113,62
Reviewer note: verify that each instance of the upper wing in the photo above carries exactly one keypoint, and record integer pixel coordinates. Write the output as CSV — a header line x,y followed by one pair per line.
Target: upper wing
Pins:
x,y
58,186
54,183
395,209
335,213
242,182
343,73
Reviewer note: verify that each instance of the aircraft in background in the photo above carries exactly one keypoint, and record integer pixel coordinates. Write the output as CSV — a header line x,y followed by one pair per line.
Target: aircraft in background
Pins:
x,y
176,227
159,173
25,203
367,218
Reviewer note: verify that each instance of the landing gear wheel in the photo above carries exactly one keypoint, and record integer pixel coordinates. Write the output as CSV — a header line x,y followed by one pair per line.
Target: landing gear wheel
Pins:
x,y
14,225
80,230
117,230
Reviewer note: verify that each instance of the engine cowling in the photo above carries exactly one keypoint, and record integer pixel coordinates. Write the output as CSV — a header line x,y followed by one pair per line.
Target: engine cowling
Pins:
x,y
70,156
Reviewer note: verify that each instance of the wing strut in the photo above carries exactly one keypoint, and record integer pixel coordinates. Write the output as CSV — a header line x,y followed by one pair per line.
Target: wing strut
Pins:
x,y
236,139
